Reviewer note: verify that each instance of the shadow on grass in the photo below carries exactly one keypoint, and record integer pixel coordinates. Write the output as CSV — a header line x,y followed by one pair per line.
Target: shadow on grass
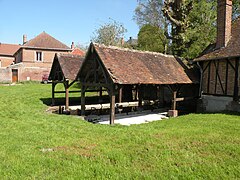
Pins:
x,y
74,101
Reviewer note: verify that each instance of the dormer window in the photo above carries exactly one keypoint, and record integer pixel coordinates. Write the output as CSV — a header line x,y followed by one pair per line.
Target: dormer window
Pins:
x,y
39,56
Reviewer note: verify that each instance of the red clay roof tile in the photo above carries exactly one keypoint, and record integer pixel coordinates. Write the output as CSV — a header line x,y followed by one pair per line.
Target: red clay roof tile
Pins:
x,y
231,50
44,40
8,49
137,67
69,65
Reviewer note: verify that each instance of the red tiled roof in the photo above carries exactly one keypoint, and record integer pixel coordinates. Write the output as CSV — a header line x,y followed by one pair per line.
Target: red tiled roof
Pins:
x,y
127,66
77,51
231,50
68,64
8,49
44,40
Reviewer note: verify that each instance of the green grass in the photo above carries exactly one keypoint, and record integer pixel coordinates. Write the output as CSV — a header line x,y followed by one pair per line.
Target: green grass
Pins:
x,y
36,144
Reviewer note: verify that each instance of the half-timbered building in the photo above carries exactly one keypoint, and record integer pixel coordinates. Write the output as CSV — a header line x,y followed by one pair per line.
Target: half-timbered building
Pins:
x,y
220,70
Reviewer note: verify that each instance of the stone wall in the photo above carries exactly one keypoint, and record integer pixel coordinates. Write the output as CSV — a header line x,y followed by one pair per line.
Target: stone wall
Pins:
x,y
5,75
209,103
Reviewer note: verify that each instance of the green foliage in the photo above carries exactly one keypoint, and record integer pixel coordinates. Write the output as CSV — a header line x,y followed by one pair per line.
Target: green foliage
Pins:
x,y
202,29
151,38
192,22
110,33
149,12
35,144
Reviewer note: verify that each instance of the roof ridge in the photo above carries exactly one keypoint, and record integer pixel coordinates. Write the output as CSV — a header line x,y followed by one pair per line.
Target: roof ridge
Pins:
x,y
68,54
132,50
36,40
9,44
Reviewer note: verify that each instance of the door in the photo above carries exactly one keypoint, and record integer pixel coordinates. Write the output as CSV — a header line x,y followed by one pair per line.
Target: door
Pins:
x,y
14,75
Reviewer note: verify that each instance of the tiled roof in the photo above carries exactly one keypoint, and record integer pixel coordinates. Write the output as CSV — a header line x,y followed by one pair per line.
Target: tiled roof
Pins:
x,y
69,65
127,66
231,50
77,51
44,40
8,49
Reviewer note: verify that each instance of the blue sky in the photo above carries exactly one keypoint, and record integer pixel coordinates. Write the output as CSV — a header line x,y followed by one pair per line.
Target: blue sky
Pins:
x,y
66,20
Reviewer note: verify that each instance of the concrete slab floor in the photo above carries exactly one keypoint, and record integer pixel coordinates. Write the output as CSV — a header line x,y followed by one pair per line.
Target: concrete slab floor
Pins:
x,y
130,118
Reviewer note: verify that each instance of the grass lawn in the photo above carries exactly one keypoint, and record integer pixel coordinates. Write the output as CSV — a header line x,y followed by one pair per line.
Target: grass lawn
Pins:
x,y
36,144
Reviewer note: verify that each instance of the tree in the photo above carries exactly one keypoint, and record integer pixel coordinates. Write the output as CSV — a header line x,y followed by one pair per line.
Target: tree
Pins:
x,y
151,38
110,33
177,13
149,12
188,21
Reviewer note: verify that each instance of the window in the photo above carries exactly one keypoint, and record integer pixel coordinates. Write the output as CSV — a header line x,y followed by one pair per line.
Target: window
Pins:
x,y
39,56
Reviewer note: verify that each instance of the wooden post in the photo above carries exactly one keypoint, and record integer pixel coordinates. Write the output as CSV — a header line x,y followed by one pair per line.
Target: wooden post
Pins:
x,y
235,94
174,102
100,92
136,93
112,106
67,95
140,98
53,93
120,95
83,88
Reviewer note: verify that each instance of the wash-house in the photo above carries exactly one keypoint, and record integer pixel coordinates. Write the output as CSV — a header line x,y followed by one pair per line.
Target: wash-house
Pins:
x,y
130,76
64,70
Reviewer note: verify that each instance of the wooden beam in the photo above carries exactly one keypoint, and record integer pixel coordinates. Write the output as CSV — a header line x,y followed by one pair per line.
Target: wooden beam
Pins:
x,y
59,92
53,93
100,92
67,95
112,106
236,88
206,67
216,80
107,105
82,100
174,102
209,73
120,95
226,79
140,96
184,99
96,84
72,83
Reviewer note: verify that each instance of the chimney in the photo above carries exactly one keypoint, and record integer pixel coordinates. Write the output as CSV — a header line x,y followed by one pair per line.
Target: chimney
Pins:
x,y
72,45
24,38
224,22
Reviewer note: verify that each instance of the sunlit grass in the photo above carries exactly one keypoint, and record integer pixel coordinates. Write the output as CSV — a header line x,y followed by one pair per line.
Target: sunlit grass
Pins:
x,y
36,144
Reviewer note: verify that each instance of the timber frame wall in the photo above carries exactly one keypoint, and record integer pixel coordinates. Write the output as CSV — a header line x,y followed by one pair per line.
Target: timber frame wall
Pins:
x,y
221,77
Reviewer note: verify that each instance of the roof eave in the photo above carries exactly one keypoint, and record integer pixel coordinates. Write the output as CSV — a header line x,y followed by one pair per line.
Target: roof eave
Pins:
x,y
31,47
216,58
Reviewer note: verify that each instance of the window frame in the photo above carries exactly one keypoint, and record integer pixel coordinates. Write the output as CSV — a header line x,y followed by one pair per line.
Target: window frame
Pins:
x,y
39,56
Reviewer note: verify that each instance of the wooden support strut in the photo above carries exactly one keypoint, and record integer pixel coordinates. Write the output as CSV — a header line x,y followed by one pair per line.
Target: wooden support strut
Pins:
x,y
112,105
140,96
174,103
53,93
67,95
120,95
236,79
83,88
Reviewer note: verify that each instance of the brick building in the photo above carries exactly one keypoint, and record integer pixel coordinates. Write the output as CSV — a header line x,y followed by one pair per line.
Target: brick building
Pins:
x,y
7,58
220,65
34,58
